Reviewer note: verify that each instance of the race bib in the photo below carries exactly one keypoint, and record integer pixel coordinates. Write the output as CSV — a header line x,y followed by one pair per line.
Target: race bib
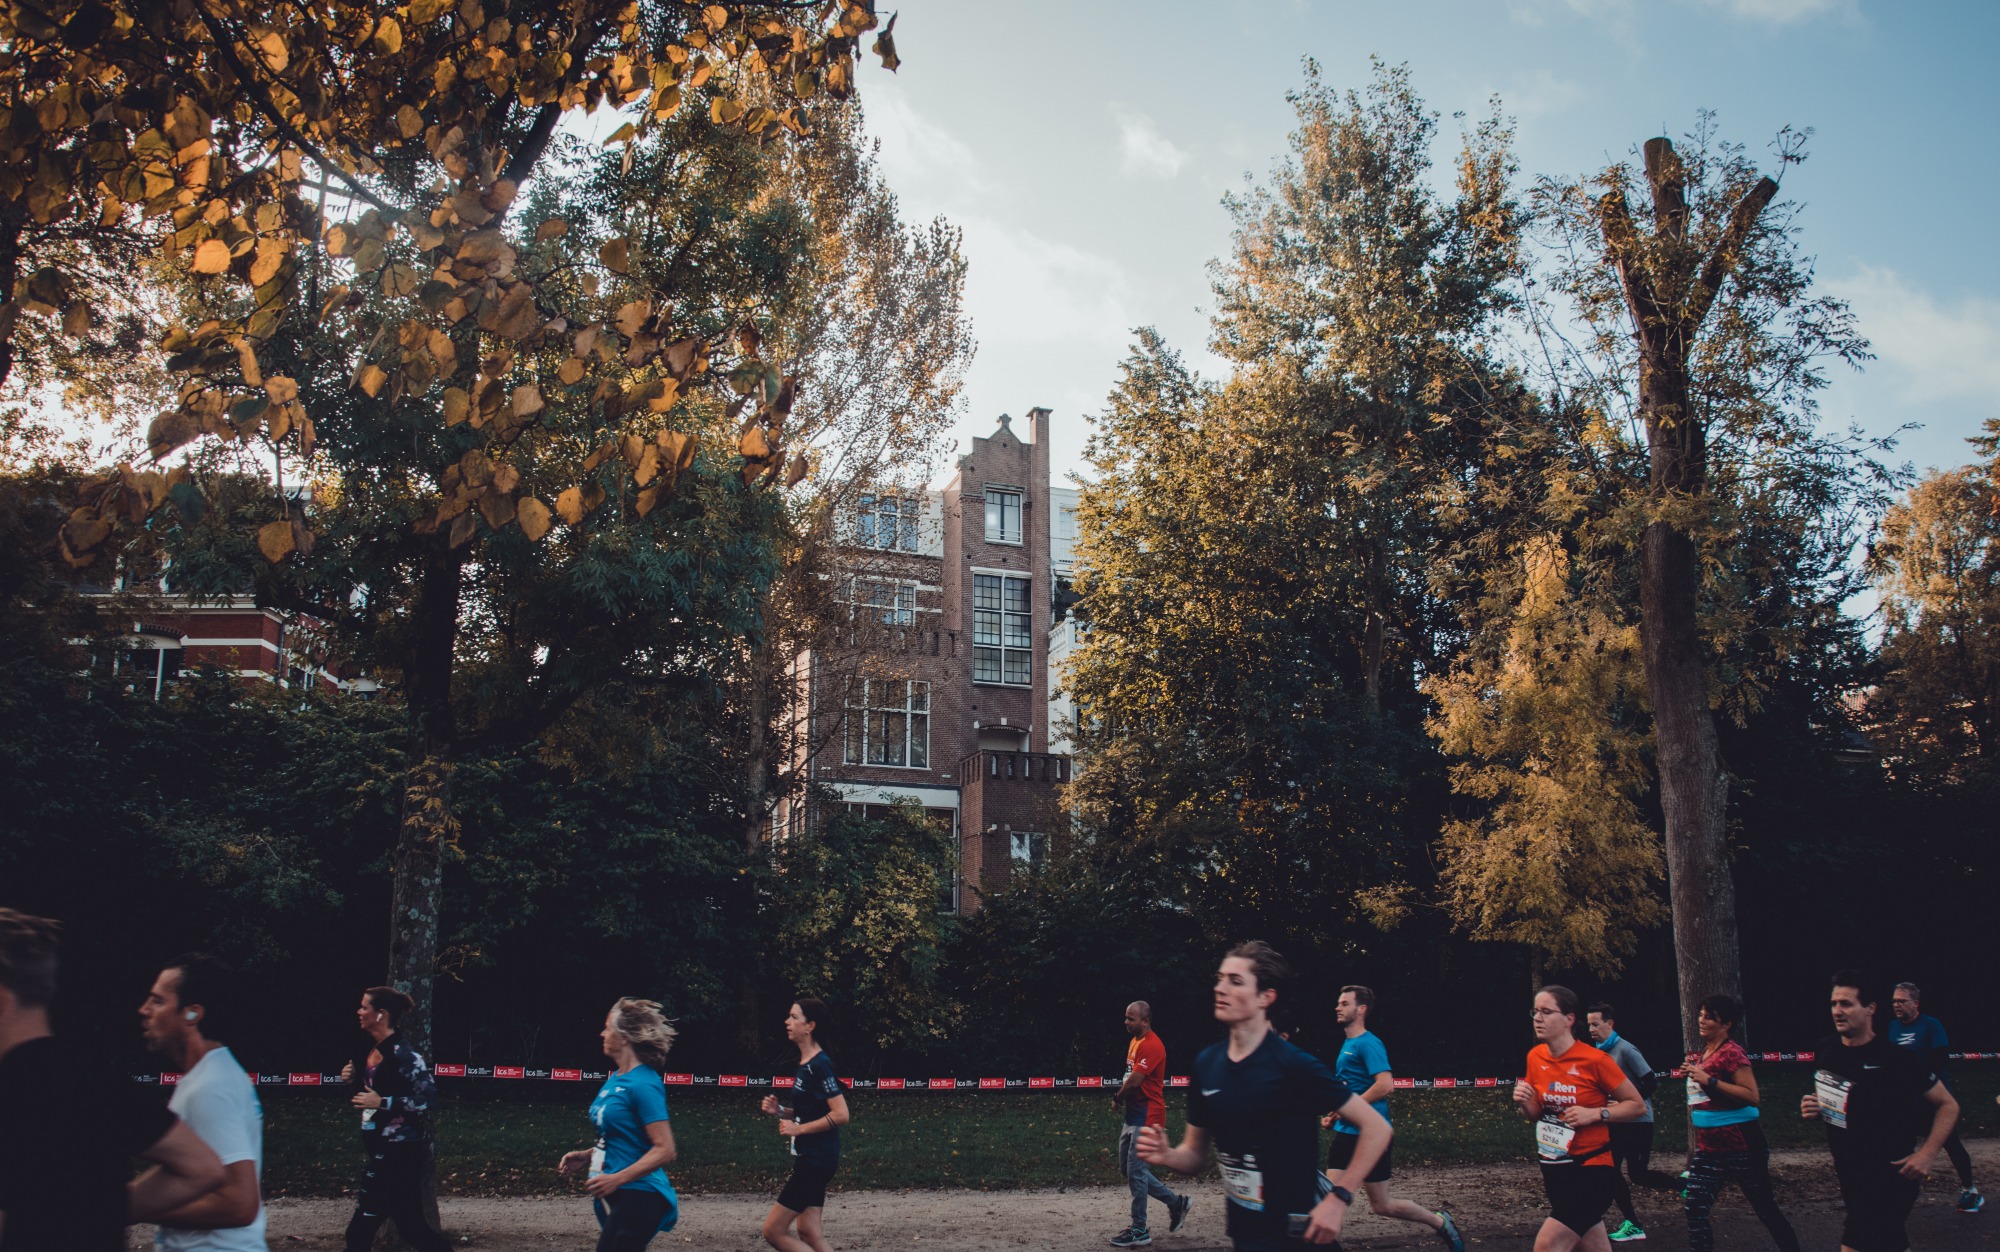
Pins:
x,y
1832,1092
1245,1183
597,1160
1695,1094
367,1119
1552,1139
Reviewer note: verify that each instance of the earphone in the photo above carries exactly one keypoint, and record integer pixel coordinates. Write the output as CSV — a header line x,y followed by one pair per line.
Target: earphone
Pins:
x,y
192,1015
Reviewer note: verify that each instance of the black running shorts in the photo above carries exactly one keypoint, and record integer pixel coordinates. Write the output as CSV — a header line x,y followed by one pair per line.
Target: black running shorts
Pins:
x,y
1341,1151
1878,1202
806,1188
1580,1195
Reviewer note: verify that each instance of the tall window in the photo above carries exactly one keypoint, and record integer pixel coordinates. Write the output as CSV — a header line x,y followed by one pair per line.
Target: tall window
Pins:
x,y
1003,515
888,722
1066,523
888,523
887,601
1028,850
1002,642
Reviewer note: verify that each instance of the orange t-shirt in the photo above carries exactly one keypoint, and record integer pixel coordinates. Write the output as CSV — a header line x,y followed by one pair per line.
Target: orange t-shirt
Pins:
x,y
1146,1056
1584,1077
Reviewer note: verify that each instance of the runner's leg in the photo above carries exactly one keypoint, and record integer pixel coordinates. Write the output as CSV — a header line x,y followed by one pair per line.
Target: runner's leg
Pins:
x,y
628,1220
778,1230
1960,1159
1755,1182
1639,1152
1386,1205
810,1231
1556,1237
1706,1173
1621,1195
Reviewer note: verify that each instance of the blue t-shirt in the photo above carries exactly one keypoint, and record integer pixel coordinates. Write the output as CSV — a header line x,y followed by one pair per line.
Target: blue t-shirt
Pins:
x,y
1926,1038
1361,1058
814,1088
1262,1113
626,1104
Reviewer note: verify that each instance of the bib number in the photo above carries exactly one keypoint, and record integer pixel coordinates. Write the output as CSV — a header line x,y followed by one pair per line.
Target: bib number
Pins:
x,y
1552,1139
1695,1094
1832,1092
597,1160
1245,1184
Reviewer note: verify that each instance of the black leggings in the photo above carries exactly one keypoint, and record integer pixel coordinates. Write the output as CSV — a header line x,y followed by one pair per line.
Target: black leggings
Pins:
x,y
628,1219
1750,1169
392,1190
1960,1161
1632,1152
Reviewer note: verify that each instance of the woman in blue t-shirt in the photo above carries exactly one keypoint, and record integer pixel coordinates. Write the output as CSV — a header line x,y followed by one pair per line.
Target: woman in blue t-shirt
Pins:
x,y
627,1180
812,1123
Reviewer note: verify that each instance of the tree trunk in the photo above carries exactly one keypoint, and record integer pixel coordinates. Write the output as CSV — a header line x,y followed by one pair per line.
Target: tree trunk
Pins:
x,y
757,774
1669,293
427,825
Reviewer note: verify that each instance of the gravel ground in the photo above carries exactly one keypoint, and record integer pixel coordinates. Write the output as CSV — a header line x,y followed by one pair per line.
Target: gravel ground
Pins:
x,y
1499,1208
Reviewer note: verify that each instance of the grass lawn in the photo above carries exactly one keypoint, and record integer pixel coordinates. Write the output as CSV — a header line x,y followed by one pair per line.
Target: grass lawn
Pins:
x,y
504,1140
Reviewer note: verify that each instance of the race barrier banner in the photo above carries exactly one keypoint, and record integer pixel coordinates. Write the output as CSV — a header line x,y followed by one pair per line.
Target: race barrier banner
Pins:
x,y
1087,1082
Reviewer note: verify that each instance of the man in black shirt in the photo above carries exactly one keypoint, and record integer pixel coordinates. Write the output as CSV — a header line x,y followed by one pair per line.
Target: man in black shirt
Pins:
x,y
1258,1100
1875,1099
71,1131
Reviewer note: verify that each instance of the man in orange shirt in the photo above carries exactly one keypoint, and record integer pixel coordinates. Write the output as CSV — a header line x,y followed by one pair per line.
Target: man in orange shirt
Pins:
x,y
1143,1102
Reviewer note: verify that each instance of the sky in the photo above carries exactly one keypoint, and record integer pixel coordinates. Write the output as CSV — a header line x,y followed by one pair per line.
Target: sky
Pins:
x,y
1084,148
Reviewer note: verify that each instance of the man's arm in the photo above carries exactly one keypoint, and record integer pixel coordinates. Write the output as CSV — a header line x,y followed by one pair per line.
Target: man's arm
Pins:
x,y
1186,1159
1943,1118
1378,1089
1324,1224
188,1169
233,1204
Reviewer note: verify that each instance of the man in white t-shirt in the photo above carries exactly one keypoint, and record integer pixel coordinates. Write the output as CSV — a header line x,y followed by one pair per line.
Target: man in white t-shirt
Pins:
x,y
217,1099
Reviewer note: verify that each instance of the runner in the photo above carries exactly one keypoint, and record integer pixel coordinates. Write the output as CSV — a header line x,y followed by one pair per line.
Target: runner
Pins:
x,y
1871,1093
1573,1093
1142,1101
1923,1034
627,1178
812,1123
71,1129
1729,1144
1631,1142
394,1090
1256,1098
1363,1067
217,1099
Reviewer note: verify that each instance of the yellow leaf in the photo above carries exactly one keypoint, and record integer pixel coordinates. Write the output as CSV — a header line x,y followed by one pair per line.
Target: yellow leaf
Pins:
x,y
722,112
615,254
528,400
281,389
551,229
409,122
457,404
623,134
571,370
271,255
400,280
76,319
643,503
212,257
716,17
371,380
368,256
570,505
796,472
276,55
274,540
534,518
754,445
389,35
632,316
649,465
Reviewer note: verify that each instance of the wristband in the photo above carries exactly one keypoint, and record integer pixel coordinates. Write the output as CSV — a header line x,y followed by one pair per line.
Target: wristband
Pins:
x,y
1605,1111
1342,1194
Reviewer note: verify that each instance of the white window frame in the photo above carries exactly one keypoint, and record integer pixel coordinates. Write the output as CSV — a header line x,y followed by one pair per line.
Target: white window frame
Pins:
x,y
892,601
996,497
1003,633
901,515
1027,850
869,727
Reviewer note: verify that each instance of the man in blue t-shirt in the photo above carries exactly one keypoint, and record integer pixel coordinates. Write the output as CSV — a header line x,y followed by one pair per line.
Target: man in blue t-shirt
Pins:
x,y
1256,1098
1912,1028
1363,1067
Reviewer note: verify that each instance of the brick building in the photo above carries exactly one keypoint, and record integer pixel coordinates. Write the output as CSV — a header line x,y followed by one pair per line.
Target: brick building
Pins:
x,y
943,695
168,636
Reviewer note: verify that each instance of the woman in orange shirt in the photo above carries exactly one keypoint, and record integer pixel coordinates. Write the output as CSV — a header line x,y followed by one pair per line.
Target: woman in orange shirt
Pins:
x,y
1572,1093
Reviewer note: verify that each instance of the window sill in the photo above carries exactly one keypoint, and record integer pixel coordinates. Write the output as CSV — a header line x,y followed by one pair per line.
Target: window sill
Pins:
x,y
988,682
1012,543
922,769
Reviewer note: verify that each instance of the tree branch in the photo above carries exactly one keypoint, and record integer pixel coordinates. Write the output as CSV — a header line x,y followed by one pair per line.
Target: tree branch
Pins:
x,y
1621,241
260,99
1723,260
1669,182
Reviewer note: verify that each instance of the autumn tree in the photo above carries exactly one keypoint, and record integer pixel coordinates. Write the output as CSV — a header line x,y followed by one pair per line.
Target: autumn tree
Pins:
x,y
1690,396
1937,567
339,188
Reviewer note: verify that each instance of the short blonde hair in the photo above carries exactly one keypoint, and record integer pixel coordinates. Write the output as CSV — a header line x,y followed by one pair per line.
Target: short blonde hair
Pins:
x,y
645,1026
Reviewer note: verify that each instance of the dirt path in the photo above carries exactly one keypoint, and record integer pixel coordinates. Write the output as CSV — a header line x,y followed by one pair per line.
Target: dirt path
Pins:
x,y
1499,1207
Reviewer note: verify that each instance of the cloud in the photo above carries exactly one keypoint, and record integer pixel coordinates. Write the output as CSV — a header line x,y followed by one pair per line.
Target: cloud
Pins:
x,y
1142,149
1935,351
921,159
1541,94
1785,12
1620,14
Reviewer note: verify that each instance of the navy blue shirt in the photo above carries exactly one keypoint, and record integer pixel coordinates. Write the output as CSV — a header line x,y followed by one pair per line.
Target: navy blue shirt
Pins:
x,y
814,1087
1926,1038
1262,1114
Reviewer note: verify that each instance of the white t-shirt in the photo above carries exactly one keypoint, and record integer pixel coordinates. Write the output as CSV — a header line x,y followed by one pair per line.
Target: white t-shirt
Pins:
x,y
219,1103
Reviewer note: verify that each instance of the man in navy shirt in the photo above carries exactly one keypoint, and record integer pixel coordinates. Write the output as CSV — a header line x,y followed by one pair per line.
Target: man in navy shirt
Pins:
x,y
1257,1099
1923,1034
